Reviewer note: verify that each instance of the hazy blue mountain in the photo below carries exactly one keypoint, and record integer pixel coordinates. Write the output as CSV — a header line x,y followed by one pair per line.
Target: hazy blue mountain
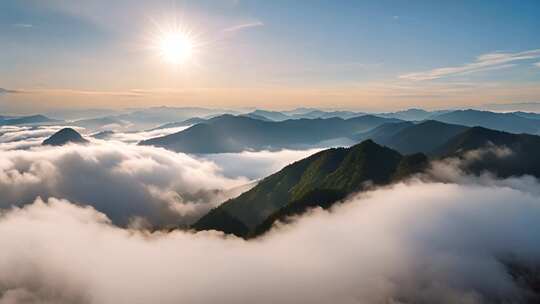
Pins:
x,y
318,180
410,114
98,123
305,113
28,120
382,132
408,138
271,115
256,116
5,117
184,123
301,110
229,133
64,136
327,114
413,114
508,122
152,117
103,134
530,115
79,114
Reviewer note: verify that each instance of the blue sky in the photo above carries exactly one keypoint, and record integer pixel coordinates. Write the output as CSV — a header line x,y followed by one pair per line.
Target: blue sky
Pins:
x,y
274,54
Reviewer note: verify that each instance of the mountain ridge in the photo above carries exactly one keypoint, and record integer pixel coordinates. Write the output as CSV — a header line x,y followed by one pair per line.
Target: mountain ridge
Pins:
x,y
331,175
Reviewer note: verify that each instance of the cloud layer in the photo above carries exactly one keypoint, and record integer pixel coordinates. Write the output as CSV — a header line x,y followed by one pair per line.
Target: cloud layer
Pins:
x,y
126,182
444,236
132,185
255,165
412,243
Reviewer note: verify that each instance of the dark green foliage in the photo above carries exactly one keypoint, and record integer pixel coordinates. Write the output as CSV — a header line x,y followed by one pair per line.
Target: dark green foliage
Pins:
x,y
319,180
221,220
323,198
409,165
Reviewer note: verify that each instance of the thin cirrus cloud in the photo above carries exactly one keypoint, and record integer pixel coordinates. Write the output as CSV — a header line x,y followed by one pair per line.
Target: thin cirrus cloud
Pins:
x,y
243,26
23,25
485,62
537,64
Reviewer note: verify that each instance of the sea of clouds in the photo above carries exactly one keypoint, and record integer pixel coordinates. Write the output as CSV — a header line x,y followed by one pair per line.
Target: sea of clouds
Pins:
x,y
410,243
131,184
73,225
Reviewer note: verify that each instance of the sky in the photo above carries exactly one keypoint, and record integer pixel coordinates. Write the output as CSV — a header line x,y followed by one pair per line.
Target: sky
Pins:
x,y
362,55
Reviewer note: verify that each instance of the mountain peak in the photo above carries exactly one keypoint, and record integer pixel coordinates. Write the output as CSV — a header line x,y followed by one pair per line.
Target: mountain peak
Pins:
x,y
321,179
64,136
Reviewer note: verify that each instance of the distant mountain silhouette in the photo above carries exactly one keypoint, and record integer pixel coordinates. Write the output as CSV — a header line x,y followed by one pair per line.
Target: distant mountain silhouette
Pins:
x,y
184,123
162,115
256,116
271,115
408,138
383,132
305,113
325,114
97,123
318,180
507,122
229,133
530,115
64,136
28,120
103,134
411,114
5,117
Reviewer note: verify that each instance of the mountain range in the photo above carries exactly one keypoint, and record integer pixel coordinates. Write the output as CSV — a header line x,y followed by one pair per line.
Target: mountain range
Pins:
x,y
331,175
408,137
270,130
318,180
508,122
228,133
26,120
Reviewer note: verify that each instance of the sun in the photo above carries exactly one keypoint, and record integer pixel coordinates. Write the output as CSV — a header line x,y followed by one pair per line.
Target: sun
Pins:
x,y
175,46
173,41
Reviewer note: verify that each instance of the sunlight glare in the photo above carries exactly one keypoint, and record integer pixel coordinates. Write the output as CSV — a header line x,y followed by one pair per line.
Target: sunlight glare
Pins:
x,y
175,47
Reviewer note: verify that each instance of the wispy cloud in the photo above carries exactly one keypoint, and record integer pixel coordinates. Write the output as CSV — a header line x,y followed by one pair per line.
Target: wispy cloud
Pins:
x,y
537,64
485,62
23,25
72,92
243,26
